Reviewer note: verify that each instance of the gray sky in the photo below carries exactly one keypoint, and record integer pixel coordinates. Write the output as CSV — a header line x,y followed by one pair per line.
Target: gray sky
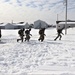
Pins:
x,y
32,10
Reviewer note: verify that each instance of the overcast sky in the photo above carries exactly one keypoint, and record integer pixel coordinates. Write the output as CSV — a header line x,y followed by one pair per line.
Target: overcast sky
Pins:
x,y
32,10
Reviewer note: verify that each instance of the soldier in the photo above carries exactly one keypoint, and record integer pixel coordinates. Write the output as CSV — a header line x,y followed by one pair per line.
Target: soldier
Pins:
x,y
27,32
41,33
59,34
21,34
0,35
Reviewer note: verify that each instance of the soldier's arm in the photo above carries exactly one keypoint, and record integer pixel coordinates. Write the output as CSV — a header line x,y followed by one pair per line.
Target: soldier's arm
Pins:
x,y
45,34
62,33
30,34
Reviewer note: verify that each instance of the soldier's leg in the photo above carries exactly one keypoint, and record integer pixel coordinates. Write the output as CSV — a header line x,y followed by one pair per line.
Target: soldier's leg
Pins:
x,y
42,38
22,38
28,38
0,39
25,39
39,38
56,38
0,35
60,37
19,39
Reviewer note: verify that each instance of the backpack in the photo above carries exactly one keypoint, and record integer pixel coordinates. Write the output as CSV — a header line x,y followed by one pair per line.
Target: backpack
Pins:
x,y
59,31
20,31
27,32
40,32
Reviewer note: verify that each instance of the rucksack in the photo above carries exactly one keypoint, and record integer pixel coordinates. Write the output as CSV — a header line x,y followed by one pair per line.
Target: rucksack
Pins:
x,y
59,31
40,32
20,31
27,32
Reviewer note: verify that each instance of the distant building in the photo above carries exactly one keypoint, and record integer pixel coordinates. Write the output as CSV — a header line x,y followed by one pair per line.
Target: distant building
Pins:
x,y
40,24
61,25
9,26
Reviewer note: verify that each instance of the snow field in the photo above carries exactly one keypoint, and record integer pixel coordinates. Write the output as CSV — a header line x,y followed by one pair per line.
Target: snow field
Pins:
x,y
37,58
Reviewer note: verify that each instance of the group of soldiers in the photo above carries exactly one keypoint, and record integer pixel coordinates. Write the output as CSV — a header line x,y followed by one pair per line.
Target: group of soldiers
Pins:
x,y
26,33
42,34
21,34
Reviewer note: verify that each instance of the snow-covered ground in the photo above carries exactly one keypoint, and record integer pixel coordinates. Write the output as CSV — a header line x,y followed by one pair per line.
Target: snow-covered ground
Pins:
x,y
37,58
